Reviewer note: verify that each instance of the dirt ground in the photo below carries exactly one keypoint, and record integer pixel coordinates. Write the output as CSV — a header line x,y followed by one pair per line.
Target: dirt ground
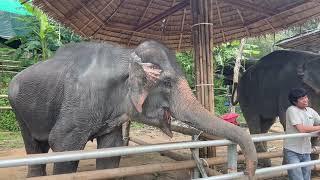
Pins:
x,y
147,134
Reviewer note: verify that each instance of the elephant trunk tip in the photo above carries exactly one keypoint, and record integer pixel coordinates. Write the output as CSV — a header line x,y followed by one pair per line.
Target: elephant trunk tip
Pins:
x,y
250,171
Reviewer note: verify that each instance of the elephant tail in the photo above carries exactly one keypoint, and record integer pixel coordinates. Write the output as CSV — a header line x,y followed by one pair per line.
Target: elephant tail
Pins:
x,y
234,97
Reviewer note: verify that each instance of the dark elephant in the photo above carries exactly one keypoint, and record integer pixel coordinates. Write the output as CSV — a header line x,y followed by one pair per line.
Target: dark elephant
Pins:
x,y
88,90
263,89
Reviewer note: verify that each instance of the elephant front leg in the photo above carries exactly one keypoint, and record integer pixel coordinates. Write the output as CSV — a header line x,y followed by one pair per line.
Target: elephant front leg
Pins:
x,y
67,138
113,139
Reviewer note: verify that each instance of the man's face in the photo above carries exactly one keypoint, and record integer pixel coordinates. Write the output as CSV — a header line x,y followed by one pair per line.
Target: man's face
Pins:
x,y
303,102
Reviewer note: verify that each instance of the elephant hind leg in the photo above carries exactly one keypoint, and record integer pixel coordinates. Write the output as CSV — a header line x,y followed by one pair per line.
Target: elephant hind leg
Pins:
x,y
113,139
266,124
258,125
33,146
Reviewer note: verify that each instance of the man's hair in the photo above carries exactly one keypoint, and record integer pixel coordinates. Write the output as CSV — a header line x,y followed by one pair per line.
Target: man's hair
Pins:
x,y
295,94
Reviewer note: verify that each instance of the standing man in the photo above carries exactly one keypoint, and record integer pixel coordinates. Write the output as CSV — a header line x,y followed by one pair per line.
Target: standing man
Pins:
x,y
299,119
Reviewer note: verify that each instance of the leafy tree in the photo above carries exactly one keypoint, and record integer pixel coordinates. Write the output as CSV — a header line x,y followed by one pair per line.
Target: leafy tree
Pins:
x,y
185,59
44,35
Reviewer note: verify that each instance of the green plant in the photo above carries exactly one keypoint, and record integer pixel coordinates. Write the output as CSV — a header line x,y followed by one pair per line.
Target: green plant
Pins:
x,y
9,140
136,125
44,36
7,117
185,59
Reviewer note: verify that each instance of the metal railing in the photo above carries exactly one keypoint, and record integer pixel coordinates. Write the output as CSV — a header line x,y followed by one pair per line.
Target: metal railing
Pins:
x,y
120,151
262,171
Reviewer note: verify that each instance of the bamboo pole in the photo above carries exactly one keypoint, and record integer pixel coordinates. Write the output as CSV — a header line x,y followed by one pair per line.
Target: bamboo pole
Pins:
x,y
202,44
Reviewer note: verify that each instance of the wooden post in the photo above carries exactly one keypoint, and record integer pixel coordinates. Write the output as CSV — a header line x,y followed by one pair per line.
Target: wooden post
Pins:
x,y
202,32
236,68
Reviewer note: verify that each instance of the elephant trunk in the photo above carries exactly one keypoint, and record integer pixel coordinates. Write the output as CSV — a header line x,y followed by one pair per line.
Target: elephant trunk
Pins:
x,y
186,108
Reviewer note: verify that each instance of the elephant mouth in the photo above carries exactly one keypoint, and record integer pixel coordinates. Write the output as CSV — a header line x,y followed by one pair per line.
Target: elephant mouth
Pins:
x,y
166,122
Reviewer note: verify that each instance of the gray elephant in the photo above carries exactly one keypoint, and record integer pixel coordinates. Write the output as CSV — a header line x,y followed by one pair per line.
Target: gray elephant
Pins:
x,y
263,89
88,90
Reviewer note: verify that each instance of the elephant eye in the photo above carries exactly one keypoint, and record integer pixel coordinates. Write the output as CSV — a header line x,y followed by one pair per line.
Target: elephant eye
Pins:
x,y
167,83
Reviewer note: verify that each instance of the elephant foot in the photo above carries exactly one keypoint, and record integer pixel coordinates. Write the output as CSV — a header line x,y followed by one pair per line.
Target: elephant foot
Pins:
x,y
264,163
36,170
315,173
314,156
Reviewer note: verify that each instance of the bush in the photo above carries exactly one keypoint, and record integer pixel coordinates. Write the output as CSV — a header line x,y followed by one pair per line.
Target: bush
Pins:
x,y
8,120
220,107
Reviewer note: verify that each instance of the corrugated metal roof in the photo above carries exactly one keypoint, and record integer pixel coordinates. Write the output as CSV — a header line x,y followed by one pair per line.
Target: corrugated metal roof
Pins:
x,y
13,6
10,26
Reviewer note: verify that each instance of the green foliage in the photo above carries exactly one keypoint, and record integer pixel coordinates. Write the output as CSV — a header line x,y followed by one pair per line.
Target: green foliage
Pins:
x,y
136,125
9,140
44,35
185,59
7,121
219,105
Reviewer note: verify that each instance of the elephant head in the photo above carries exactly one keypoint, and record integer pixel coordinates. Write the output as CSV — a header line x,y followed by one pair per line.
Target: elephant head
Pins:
x,y
159,91
309,73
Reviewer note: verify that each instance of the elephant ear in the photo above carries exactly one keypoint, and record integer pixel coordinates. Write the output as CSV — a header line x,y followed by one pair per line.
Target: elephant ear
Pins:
x,y
309,73
142,78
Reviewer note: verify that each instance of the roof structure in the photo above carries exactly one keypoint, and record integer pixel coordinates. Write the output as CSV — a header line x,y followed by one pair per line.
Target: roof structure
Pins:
x,y
309,41
128,22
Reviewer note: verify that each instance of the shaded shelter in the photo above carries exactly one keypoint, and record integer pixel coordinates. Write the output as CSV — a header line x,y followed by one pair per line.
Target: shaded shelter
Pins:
x,y
180,24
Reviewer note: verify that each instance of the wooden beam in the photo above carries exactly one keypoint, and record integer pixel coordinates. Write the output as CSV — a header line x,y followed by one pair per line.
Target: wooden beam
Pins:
x,y
140,20
269,23
220,20
97,15
91,13
54,9
242,20
77,8
167,19
250,6
112,14
164,14
181,28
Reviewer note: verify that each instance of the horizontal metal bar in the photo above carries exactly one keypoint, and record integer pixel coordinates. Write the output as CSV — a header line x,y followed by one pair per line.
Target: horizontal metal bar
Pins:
x,y
262,171
3,96
120,151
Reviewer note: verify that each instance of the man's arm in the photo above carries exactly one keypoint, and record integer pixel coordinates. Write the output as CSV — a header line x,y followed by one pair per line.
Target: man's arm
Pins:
x,y
316,117
306,129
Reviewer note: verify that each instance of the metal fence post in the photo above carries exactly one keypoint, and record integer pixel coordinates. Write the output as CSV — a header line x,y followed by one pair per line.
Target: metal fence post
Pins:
x,y
232,158
196,172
